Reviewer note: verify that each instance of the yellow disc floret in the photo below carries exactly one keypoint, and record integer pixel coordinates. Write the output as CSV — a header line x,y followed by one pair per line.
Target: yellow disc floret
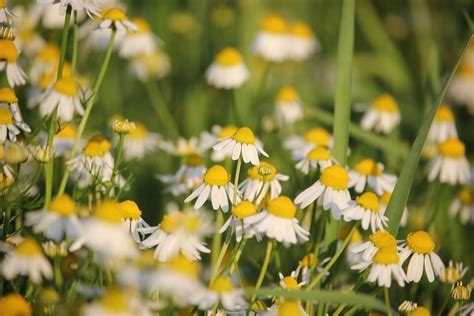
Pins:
x,y
307,261
291,283
14,304
182,265
114,14
97,147
130,209
216,175
142,25
8,51
282,206
335,177
140,131
386,255
382,239
227,131
301,29
67,131
114,300
290,308
466,195
452,148
319,154
7,96
222,284
229,57
28,247
385,103
318,136
244,135
420,242
385,197
3,4
50,53
368,200
62,205
66,86
171,222
287,94
109,211
367,167
194,160
244,209
274,24
444,114
6,117
420,311
254,173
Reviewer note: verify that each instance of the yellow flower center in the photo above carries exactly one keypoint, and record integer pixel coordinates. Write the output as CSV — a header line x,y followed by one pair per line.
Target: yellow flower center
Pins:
x,y
287,94
318,154
382,239
146,259
368,200
274,24
14,304
109,211
356,237
28,247
142,25
385,197
367,167
335,177
227,131
222,284
254,174
420,311
8,96
244,209
3,4
170,222
182,265
8,51
385,103
301,29
192,223
420,242
67,131
290,308
140,131
6,117
114,300
66,86
97,147
229,57
386,255
244,135
114,14
466,195
444,113
50,53
194,160
62,205
130,209
282,206
216,175
450,274
318,136
307,261
291,283
452,148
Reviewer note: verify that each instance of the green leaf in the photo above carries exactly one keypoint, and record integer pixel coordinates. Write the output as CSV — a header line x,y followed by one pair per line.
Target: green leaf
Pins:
x,y
333,297
402,189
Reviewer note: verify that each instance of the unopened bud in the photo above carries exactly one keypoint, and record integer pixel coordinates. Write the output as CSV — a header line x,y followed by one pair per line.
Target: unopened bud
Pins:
x,y
43,154
407,307
460,293
16,154
123,127
7,32
264,170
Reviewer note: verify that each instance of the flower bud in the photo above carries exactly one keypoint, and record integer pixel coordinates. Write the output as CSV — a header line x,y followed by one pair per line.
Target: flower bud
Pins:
x,y
460,293
407,307
16,154
42,154
264,170
7,33
123,127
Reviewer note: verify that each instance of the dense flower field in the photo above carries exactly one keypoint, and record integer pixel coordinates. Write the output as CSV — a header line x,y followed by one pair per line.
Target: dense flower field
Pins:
x,y
310,157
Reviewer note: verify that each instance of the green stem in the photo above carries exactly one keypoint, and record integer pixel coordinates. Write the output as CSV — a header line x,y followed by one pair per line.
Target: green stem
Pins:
x,y
89,105
58,278
266,262
436,204
6,221
118,159
236,180
64,40
164,115
222,253
386,295
75,38
238,254
216,240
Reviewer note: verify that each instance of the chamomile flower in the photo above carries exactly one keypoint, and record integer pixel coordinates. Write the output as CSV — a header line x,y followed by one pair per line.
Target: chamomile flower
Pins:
x,y
243,145
278,221
139,143
366,208
9,100
272,41
300,146
305,265
331,191
182,147
452,273
443,126
379,239
228,70
385,264
28,39
9,56
58,220
317,158
103,233
450,165
133,221
5,14
91,7
141,42
9,127
64,140
237,222
302,42
65,96
154,65
261,179
286,308
222,291
116,302
27,259
420,246
44,63
463,205
14,304
117,19
385,199
382,116
288,106
460,89
354,258
367,171
179,233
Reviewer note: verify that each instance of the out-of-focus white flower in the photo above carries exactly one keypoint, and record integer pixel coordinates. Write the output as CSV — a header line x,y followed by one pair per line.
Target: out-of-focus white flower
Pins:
x,y
382,116
188,177
460,89
11,121
140,42
139,143
463,205
133,222
443,126
224,292
368,172
450,165
300,146
272,41
228,70
302,42
288,106
154,65
317,159
116,18
65,96
9,56
91,7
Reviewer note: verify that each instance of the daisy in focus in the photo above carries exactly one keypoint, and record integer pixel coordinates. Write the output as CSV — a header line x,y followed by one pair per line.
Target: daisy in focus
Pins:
x,y
317,159
443,126
288,106
420,247
188,177
300,146
366,208
331,191
302,42
228,70
272,40
238,223
368,172
64,95
382,116
9,56
133,221
223,292
117,19
450,165
463,205
278,221
379,239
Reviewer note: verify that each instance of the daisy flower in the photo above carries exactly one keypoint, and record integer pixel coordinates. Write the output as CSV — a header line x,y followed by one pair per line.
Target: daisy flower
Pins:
x,y
367,171
9,100
133,221
272,41
91,7
228,70
460,89
420,246
44,63
382,116
217,187
302,42
28,39
331,189
286,308
66,96
64,140
288,106
154,65
179,233
58,220
317,158
384,200
139,273
463,204
9,61
450,164
379,239
452,273
237,222
10,128
116,302
182,147
366,208
140,42
27,259
139,143
5,14
353,257
305,265
443,126
261,179
385,264
242,145
117,19
300,146
14,304
222,291
278,221
104,234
